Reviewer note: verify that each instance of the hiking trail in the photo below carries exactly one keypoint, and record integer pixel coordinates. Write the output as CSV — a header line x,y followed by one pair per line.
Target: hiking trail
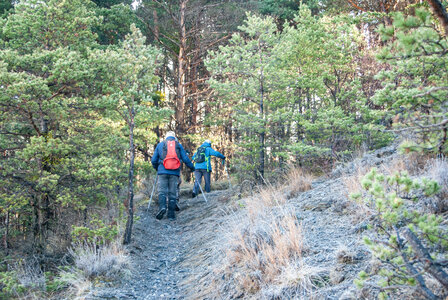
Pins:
x,y
164,252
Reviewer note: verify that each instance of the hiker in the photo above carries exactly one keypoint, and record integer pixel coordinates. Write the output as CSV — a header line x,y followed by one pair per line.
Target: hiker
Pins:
x,y
203,166
167,160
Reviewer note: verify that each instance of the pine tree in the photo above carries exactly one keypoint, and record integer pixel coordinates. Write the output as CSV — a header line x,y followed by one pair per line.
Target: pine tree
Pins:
x,y
244,74
129,80
415,88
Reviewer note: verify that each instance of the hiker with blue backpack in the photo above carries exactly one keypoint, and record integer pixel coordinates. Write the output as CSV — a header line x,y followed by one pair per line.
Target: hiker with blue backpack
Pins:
x,y
203,166
167,161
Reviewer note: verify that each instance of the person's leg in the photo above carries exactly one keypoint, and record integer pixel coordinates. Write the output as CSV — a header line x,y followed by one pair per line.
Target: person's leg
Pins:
x,y
197,181
163,193
179,182
172,187
207,176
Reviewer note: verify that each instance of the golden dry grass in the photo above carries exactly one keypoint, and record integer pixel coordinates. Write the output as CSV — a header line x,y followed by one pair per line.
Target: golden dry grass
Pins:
x,y
352,185
266,256
264,243
297,181
262,247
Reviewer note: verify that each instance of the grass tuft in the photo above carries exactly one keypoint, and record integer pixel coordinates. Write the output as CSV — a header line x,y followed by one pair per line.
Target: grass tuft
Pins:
x,y
297,181
92,261
437,170
265,245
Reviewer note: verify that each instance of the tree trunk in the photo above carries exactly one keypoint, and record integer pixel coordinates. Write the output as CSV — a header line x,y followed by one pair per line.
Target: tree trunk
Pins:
x,y
130,199
6,236
440,12
156,100
181,71
261,112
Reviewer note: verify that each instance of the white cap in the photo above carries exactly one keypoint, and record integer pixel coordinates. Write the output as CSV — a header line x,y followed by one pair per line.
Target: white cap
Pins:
x,y
170,134
207,141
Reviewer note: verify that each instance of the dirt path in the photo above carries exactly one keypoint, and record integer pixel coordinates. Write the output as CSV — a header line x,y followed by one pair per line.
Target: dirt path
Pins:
x,y
165,252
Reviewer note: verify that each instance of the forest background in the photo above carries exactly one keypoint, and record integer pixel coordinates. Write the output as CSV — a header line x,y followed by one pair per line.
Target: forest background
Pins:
x,y
88,88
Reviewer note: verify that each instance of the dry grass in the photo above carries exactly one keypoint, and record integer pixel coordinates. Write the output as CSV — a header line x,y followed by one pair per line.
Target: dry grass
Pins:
x,y
264,253
297,181
345,255
91,261
78,284
353,182
302,277
264,246
30,275
267,197
437,170
399,165
359,211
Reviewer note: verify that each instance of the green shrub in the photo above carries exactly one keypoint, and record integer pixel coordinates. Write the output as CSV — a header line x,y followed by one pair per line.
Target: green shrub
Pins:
x,y
408,243
99,233
10,284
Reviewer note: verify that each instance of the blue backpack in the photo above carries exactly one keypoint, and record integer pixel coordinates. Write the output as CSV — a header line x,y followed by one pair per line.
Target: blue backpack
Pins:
x,y
200,155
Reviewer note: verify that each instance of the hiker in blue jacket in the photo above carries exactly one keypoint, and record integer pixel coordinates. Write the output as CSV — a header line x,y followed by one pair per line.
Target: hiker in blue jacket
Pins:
x,y
168,178
203,166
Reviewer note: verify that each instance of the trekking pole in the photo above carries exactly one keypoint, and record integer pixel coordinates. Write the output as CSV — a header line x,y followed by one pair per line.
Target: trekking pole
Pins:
x,y
152,192
228,175
205,198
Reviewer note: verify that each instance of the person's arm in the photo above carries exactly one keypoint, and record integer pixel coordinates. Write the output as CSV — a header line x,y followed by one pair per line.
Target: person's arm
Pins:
x,y
184,157
216,153
155,158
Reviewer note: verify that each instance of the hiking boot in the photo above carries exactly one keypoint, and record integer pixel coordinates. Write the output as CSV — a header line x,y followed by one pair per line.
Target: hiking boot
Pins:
x,y
177,208
171,215
160,214
193,194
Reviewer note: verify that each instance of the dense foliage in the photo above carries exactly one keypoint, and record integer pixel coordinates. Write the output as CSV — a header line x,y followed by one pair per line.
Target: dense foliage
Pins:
x,y
295,94
87,88
415,86
62,142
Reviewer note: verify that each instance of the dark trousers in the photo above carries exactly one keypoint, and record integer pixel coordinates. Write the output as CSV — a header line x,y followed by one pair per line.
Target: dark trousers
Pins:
x,y
198,174
179,182
168,190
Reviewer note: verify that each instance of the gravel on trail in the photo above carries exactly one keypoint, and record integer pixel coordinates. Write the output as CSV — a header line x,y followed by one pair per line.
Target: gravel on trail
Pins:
x,y
163,251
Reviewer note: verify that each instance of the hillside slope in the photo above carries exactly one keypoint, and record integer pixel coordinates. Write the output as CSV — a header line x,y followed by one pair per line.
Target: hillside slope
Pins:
x,y
206,253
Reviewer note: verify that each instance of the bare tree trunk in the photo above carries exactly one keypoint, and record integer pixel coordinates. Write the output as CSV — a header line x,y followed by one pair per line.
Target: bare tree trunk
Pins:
x,y
156,24
181,71
261,111
130,199
440,12
6,236
156,101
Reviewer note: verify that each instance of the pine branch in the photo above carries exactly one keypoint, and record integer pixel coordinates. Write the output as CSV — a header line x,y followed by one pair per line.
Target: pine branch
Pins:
x,y
431,91
428,263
